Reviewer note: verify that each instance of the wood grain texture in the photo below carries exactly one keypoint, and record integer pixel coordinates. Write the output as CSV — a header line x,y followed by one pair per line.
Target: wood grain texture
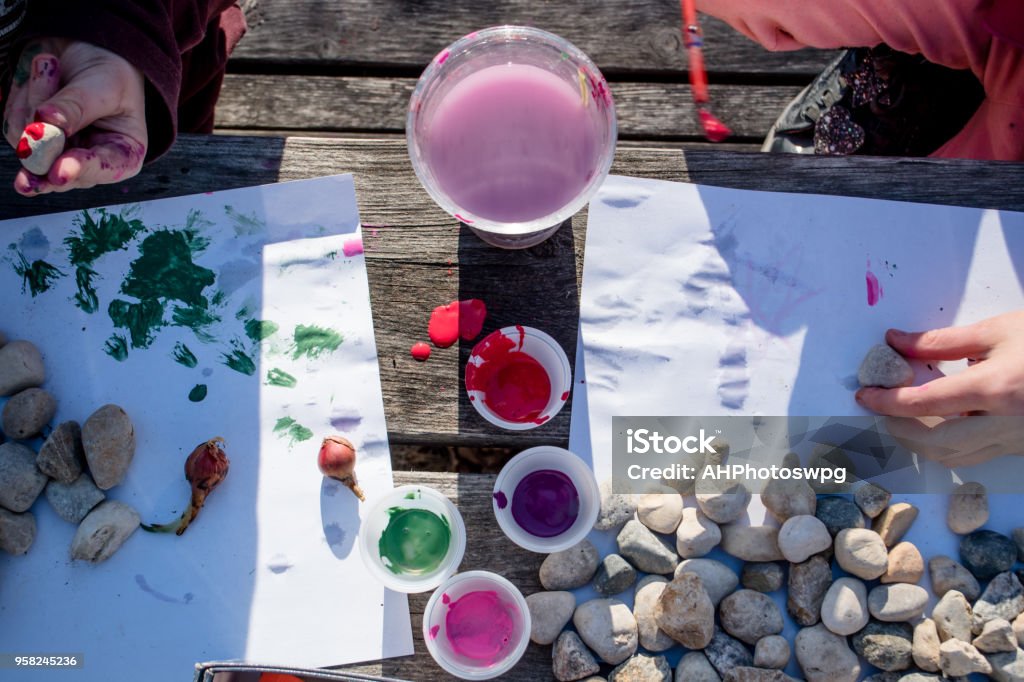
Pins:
x,y
418,257
650,111
642,36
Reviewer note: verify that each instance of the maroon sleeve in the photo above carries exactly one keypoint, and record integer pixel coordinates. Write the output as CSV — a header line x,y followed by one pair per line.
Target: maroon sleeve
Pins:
x,y
150,34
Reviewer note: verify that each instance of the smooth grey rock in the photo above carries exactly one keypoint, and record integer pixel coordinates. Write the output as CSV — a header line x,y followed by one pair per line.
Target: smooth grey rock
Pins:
x,y
20,480
884,677
661,512
905,564
608,627
893,523
838,513
685,613
645,601
642,668
952,616
986,553
751,674
884,367
17,531
871,498
1008,667
887,646
726,653
861,552
695,667
922,677
785,498
947,575
844,610
763,576
808,584
645,550
968,508
772,652
751,543
825,656
926,646
27,412
748,616
616,508
720,502
570,568
571,660
549,612
801,537
996,636
61,457
1002,598
614,575
108,439
897,602
73,502
696,534
718,579
103,531
21,367
957,659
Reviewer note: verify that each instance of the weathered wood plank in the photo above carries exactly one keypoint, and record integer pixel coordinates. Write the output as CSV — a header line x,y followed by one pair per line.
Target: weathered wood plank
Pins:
x,y
645,110
418,257
621,37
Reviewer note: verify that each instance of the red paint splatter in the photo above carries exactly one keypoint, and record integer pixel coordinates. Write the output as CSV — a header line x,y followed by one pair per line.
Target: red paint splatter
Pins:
x,y
23,150
565,396
434,630
420,351
874,288
514,385
714,130
35,130
458,319
465,220
352,247
443,57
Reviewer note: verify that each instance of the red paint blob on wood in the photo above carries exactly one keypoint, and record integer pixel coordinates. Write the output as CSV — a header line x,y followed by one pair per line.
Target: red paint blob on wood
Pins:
x,y
458,319
420,351
279,677
714,130
23,150
514,385
35,130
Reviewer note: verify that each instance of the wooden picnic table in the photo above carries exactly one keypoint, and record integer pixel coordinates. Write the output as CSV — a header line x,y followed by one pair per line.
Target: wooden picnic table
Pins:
x,y
309,69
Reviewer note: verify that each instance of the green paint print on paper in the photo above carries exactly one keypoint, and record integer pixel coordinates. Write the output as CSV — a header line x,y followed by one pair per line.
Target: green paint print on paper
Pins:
x,y
94,239
116,347
183,355
239,361
415,541
246,225
38,275
198,393
279,377
313,341
163,272
286,427
258,330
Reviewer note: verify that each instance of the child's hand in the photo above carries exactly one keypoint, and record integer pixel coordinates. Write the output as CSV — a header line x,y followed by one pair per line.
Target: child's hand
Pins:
x,y
992,384
98,100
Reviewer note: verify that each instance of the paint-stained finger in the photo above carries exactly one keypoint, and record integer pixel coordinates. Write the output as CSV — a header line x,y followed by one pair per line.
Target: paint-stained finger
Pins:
x,y
964,392
112,157
16,116
44,81
30,185
951,343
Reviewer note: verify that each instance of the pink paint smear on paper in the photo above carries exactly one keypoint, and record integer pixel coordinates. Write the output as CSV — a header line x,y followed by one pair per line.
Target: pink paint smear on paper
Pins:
x,y
352,247
875,291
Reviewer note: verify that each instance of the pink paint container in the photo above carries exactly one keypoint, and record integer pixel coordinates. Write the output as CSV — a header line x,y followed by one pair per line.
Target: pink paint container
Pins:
x,y
511,130
518,378
546,499
476,625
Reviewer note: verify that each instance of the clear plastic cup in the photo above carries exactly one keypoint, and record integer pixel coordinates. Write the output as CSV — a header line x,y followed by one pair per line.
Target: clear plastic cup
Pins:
x,y
411,497
546,458
539,346
447,652
511,130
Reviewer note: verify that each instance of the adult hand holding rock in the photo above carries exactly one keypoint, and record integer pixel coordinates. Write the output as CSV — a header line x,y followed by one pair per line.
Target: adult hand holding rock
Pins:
x,y
95,97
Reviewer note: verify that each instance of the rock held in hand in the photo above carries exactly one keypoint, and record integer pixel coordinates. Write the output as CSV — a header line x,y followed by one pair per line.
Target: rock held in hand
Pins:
x,y
108,439
20,480
884,367
61,457
39,146
21,367
103,531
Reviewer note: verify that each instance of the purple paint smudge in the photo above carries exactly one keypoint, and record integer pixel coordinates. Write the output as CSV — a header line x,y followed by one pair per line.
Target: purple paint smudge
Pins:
x,y
140,580
501,499
346,422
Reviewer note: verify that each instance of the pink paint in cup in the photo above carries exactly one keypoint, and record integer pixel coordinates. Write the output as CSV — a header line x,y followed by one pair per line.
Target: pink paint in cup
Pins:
x,y
476,625
511,130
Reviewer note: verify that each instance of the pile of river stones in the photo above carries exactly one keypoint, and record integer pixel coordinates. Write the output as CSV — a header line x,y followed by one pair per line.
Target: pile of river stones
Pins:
x,y
875,614
72,469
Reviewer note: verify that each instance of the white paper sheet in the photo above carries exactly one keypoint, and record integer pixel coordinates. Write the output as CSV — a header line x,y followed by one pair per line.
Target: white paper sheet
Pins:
x,y
707,301
270,571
